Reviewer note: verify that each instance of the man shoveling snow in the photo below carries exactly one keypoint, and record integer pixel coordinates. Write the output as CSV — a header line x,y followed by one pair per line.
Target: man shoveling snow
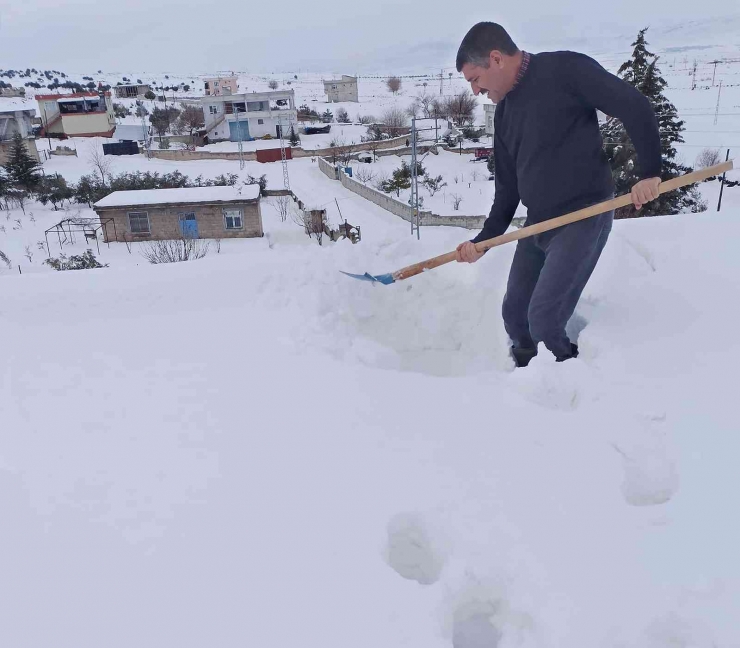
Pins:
x,y
548,153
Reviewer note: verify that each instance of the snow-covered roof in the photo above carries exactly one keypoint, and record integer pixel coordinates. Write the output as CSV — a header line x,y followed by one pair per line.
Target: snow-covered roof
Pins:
x,y
11,104
180,196
133,132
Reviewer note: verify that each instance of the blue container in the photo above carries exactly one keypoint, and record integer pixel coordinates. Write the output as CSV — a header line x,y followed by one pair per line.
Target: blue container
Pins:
x,y
348,171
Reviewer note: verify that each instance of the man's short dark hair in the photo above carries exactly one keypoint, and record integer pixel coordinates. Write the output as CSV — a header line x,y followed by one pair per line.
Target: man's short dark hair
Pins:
x,y
480,41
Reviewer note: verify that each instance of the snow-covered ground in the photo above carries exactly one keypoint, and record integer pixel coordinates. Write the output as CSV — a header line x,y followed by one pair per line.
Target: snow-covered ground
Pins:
x,y
253,449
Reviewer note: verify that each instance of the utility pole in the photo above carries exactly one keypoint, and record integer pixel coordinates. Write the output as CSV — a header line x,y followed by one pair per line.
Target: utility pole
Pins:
x,y
239,130
714,71
693,76
716,110
145,130
283,158
414,183
722,186
441,79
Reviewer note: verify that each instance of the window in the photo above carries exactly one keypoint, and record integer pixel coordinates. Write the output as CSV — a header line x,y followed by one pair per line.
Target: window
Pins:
x,y
260,121
232,219
213,110
334,87
139,223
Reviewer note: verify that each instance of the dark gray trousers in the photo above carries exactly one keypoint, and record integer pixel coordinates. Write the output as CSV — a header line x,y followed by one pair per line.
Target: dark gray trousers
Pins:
x,y
548,275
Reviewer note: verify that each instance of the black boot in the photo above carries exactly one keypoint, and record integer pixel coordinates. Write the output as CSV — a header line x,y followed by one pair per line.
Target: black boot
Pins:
x,y
573,353
522,355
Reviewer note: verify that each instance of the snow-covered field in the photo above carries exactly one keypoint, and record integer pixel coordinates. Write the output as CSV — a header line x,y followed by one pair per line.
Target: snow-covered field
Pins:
x,y
253,449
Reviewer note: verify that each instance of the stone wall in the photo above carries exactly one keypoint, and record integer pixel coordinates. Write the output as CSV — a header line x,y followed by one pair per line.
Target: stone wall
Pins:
x,y
297,151
394,206
164,221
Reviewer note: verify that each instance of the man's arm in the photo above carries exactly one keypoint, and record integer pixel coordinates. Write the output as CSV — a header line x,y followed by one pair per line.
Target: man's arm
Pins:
x,y
504,205
604,91
506,199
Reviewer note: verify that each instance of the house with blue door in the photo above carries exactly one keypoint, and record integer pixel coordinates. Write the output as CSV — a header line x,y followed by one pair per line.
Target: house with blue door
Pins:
x,y
189,212
248,116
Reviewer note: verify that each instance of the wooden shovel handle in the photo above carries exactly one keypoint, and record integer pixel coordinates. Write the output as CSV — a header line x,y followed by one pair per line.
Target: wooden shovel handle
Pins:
x,y
572,217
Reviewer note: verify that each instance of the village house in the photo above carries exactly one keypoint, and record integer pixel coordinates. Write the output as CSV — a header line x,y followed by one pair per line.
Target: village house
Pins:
x,y
16,116
344,89
217,86
249,116
132,90
82,114
192,212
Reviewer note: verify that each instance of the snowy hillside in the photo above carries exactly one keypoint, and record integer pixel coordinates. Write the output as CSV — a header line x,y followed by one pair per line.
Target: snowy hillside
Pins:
x,y
252,449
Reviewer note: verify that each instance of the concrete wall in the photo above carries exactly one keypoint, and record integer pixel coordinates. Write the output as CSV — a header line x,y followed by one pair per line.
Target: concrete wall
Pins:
x,y
394,206
164,222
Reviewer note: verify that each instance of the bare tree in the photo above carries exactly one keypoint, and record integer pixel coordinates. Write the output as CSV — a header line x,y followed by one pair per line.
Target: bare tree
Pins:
x,y
425,103
395,122
456,200
393,83
413,110
28,254
282,206
474,175
364,175
4,258
273,84
708,157
313,222
365,119
100,164
461,107
191,119
173,251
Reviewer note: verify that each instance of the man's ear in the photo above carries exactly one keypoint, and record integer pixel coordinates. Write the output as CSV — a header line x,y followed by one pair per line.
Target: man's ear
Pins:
x,y
495,58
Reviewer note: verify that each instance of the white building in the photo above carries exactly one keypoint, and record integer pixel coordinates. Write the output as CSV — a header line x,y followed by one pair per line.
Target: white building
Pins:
x,y
249,116
488,110
217,86
16,116
344,89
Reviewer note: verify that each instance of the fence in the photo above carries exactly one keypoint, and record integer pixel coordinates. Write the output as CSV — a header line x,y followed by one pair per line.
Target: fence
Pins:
x,y
396,206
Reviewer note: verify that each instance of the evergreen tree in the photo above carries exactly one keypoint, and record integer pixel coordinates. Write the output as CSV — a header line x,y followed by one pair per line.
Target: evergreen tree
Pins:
x,y
491,164
21,168
327,116
294,139
641,71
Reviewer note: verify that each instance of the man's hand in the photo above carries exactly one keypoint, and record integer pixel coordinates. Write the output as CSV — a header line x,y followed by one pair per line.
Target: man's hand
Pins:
x,y
466,253
645,191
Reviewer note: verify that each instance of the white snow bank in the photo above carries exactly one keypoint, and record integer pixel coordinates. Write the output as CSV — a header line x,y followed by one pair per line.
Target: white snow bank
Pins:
x,y
253,449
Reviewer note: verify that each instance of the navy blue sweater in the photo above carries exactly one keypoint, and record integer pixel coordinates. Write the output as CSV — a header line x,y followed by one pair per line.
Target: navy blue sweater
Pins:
x,y
547,144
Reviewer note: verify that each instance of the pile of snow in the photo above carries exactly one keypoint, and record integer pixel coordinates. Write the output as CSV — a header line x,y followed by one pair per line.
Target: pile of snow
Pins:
x,y
254,449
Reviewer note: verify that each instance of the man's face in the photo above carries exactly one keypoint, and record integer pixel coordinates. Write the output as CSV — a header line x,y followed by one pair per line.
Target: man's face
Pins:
x,y
489,80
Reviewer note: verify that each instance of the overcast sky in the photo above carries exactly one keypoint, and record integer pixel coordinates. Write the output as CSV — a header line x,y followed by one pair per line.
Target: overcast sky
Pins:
x,y
291,35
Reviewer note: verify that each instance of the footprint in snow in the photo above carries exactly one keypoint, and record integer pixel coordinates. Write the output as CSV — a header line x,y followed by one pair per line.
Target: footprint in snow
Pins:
x,y
413,550
650,474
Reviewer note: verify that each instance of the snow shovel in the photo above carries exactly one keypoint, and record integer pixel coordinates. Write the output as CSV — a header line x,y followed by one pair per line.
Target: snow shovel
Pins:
x,y
531,230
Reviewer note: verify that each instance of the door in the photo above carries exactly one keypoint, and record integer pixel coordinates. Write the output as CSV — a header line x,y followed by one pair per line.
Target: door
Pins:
x,y
188,225
239,130
278,131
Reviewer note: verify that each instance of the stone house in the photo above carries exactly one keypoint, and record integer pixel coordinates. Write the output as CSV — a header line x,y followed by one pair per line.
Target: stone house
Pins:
x,y
344,89
192,212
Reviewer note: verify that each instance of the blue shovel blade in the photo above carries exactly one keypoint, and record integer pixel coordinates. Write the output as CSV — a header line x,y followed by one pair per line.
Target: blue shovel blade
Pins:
x,y
384,278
